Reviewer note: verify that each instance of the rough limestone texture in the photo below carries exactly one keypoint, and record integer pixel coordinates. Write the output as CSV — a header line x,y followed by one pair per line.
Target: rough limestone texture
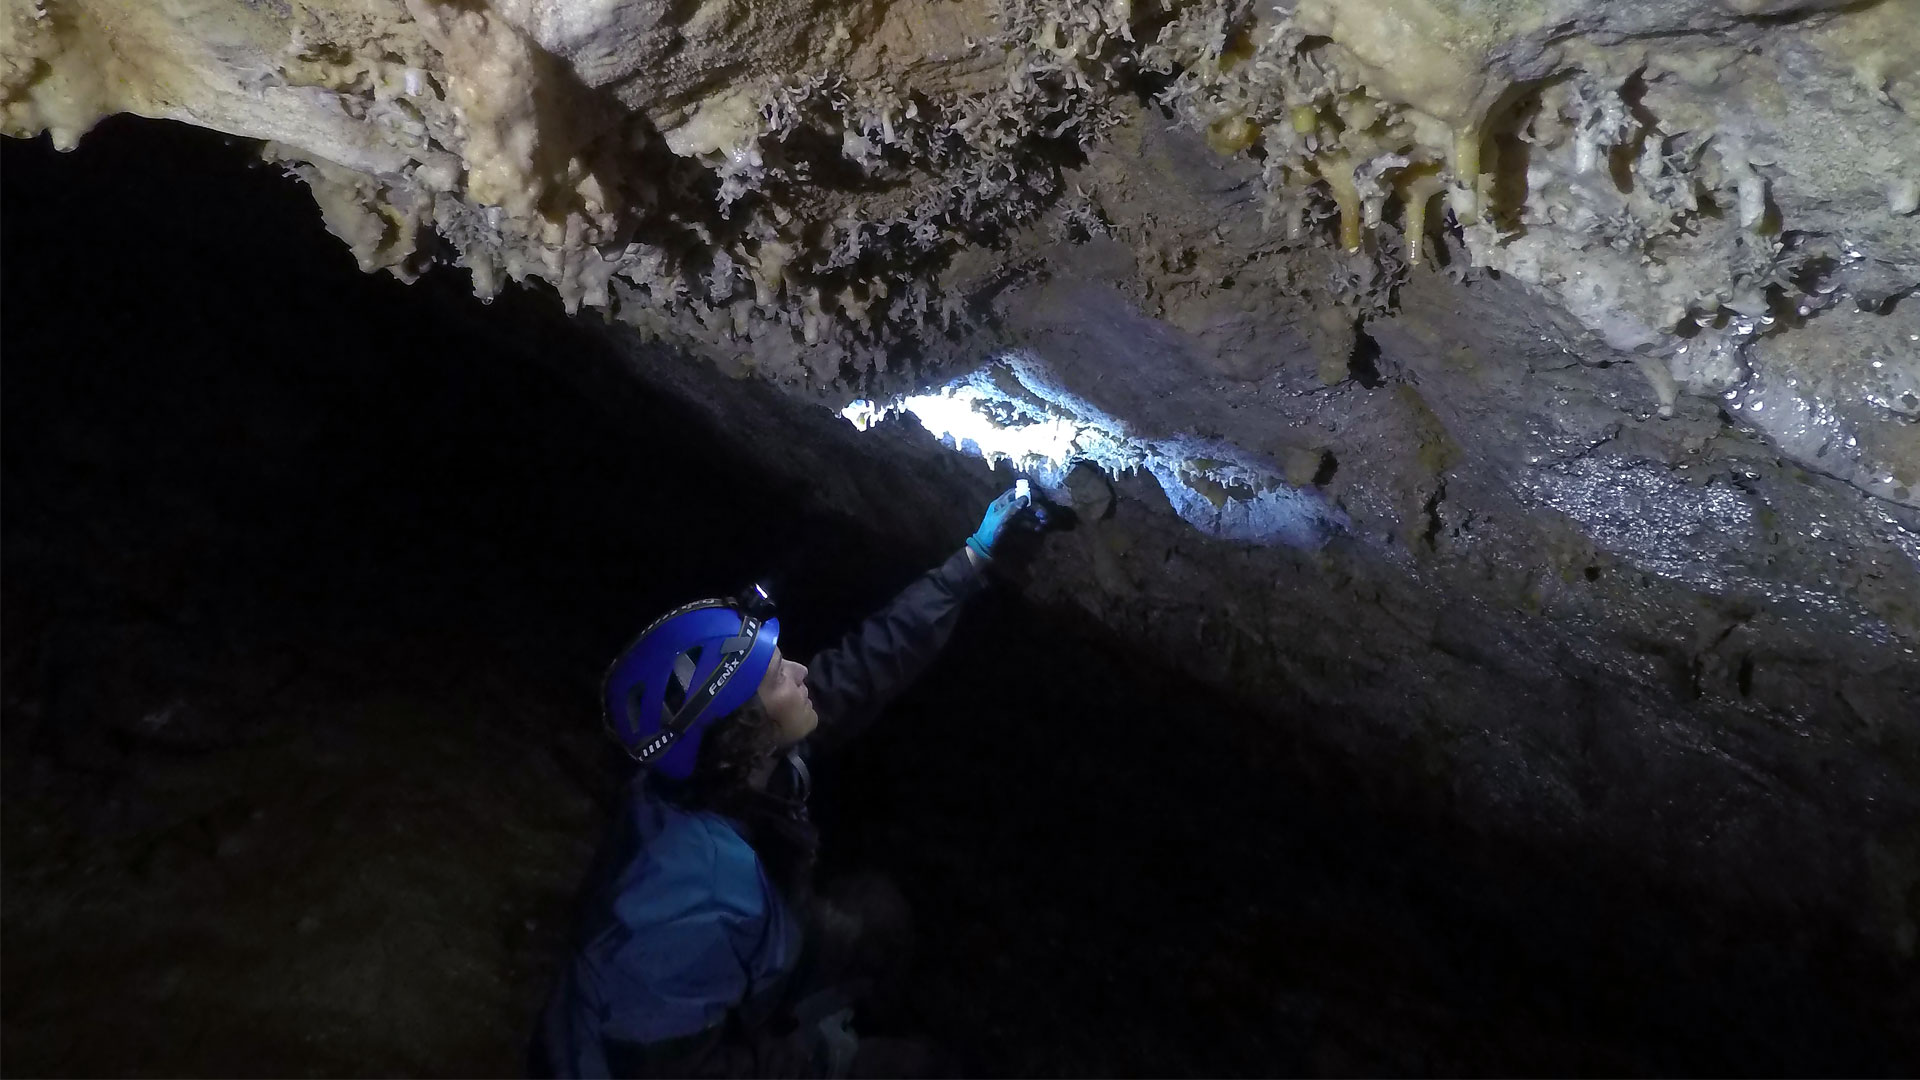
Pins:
x,y
1709,188
1592,320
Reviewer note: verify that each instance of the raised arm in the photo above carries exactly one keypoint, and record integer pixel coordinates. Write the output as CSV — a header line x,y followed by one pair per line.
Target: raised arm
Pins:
x,y
855,679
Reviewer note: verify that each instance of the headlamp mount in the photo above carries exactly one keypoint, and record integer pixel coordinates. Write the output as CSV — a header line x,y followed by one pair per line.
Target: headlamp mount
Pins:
x,y
756,603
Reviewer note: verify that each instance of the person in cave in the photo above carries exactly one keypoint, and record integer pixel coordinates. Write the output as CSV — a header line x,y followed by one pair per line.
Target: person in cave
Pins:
x,y
704,948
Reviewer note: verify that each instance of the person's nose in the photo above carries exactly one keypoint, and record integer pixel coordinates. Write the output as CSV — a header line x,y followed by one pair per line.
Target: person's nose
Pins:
x,y
800,675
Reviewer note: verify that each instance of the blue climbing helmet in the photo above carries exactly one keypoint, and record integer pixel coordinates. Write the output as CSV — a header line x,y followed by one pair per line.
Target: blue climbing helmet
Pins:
x,y
694,665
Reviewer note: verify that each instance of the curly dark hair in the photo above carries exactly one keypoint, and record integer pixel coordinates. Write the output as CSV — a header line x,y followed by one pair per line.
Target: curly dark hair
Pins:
x,y
730,750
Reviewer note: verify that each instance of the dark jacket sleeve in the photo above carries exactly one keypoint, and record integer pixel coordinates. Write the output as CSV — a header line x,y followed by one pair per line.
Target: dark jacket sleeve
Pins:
x,y
857,678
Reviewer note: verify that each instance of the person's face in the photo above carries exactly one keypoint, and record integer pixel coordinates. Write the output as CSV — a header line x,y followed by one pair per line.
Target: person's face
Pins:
x,y
783,693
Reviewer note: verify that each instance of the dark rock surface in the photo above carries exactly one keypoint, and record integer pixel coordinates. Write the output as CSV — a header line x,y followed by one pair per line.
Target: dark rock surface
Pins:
x,y
1651,637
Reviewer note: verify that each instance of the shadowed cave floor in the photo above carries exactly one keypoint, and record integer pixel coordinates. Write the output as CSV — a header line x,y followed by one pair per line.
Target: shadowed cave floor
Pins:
x,y
309,580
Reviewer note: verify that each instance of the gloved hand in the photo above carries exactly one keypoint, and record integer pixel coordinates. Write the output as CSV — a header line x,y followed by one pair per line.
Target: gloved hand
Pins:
x,y
1001,513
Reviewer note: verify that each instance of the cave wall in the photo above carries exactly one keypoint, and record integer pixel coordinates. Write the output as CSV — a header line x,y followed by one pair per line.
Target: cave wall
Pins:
x,y
1582,639
1586,329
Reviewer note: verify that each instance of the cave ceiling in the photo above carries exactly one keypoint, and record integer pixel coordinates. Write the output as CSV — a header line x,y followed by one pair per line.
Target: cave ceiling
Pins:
x,y
1722,193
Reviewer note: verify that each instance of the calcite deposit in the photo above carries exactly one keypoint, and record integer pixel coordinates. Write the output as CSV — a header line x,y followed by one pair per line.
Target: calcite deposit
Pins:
x,y
1706,186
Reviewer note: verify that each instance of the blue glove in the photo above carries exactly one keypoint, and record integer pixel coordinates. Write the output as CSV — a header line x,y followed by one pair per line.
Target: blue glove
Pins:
x,y
1000,514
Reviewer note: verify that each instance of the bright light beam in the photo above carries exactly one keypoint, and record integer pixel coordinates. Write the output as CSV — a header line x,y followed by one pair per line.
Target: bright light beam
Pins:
x,y
1044,430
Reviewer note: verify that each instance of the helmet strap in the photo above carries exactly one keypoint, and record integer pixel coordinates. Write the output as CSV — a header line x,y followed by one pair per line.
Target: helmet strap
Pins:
x,y
802,778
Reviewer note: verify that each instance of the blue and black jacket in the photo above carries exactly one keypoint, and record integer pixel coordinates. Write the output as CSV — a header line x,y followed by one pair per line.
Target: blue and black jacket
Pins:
x,y
686,952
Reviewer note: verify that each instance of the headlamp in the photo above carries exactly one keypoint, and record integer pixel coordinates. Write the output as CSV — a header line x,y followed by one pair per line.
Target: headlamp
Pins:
x,y
756,603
